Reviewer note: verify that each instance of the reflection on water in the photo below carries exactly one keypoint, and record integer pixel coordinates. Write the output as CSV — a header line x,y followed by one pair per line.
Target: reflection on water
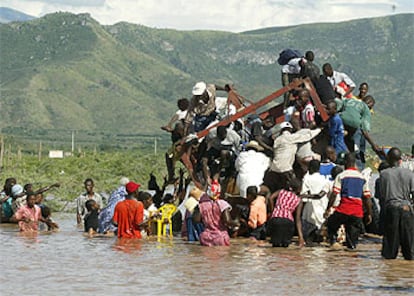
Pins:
x,y
68,263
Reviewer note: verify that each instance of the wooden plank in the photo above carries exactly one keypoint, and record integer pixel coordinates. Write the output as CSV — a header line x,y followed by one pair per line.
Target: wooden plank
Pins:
x,y
251,108
276,112
316,100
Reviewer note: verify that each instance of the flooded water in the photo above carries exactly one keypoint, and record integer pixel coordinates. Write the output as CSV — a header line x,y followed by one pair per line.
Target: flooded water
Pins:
x,y
68,263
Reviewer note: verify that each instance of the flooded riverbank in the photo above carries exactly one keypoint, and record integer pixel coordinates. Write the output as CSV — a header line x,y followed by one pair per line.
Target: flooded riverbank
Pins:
x,y
68,263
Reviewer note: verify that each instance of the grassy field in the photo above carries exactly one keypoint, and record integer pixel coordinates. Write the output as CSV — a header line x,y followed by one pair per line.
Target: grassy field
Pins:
x,y
105,168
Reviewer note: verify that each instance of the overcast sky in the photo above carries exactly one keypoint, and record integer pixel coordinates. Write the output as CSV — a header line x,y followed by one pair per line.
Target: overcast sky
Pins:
x,y
225,15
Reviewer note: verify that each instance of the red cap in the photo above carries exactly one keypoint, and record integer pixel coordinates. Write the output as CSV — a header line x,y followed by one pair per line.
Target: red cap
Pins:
x,y
131,187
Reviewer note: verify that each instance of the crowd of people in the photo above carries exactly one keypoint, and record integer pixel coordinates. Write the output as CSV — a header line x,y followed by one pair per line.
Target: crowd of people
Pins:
x,y
24,205
260,179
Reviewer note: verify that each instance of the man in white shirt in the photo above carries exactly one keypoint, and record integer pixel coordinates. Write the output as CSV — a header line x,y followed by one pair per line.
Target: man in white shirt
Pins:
x,y
339,80
251,165
284,150
81,210
315,188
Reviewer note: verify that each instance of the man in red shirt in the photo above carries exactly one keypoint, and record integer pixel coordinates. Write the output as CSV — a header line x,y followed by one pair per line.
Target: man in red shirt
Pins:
x,y
129,213
355,194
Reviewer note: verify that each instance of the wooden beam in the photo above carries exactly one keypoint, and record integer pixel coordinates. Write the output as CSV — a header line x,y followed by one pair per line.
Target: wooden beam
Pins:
x,y
251,108
316,100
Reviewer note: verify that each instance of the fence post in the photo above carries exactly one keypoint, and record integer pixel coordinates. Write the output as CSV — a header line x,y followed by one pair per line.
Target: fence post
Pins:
x,y
1,151
40,150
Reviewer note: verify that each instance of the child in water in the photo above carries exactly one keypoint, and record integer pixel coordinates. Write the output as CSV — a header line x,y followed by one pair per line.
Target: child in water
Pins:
x,y
91,219
47,215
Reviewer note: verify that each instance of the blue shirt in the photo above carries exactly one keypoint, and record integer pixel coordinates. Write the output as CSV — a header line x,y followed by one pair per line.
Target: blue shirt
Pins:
x,y
326,168
336,133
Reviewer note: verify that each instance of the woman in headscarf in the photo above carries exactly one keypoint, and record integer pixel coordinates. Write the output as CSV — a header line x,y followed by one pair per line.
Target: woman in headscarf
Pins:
x,y
215,215
106,214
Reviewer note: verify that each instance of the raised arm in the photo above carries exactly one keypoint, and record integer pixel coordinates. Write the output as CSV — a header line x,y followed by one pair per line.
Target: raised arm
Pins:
x,y
226,87
44,189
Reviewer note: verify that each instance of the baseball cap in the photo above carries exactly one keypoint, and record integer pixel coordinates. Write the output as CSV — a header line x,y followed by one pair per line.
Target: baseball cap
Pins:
x,y
132,187
285,124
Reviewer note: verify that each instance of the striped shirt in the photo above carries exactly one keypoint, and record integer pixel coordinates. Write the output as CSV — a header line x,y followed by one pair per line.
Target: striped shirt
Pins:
x,y
352,188
286,204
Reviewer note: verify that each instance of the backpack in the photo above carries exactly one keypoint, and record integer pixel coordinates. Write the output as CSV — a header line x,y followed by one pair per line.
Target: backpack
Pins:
x,y
286,55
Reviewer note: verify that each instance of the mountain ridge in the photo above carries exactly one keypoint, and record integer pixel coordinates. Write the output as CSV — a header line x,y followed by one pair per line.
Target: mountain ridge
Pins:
x,y
8,15
66,71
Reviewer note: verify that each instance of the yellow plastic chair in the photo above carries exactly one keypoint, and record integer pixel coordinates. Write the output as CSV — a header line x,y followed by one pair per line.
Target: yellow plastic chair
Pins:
x,y
164,219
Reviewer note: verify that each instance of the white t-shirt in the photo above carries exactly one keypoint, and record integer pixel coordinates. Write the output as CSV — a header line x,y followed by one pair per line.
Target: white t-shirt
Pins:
x,y
292,67
251,166
315,208
338,77
181,114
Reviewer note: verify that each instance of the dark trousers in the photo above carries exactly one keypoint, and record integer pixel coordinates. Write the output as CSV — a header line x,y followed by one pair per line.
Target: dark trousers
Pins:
x,y
352,228
349,138
398,231
281,231
259,233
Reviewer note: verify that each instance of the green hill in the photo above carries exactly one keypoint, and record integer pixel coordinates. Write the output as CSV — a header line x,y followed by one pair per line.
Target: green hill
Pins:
x,y
67,72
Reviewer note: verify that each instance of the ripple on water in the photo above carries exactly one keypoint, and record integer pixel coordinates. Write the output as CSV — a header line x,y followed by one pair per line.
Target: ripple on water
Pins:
x,y
71,263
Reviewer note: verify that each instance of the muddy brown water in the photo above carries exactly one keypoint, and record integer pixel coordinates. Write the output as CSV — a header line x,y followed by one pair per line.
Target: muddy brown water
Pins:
x,y
68,263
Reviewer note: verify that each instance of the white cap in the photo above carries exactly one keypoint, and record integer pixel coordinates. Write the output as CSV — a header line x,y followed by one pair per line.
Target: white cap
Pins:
x,y
16,189
199,88
124,181
285,124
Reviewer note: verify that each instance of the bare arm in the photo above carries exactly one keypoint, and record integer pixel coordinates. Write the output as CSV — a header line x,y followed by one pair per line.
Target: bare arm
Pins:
x,y
314,196
299,224
259,140
371,142
44,189
49,222
78,207
332,198
350,89
206,170
5,198
272,200
368,206
15,220
226,87
168,127
228,221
